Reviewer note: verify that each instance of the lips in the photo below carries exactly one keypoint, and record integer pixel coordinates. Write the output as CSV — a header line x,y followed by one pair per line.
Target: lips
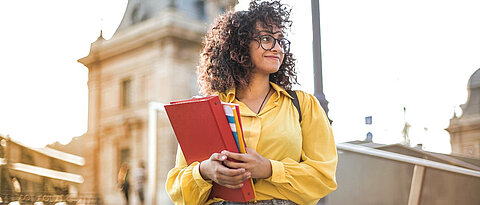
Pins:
x,y
273,57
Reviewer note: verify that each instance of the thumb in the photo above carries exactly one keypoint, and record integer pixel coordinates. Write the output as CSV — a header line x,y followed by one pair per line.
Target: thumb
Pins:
x,y
218,157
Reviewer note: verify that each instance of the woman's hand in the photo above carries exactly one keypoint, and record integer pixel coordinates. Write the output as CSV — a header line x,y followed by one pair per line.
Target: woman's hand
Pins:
x,y
252,162
214,169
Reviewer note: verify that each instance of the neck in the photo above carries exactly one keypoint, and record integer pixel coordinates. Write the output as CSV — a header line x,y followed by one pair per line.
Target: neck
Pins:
x,y
257,88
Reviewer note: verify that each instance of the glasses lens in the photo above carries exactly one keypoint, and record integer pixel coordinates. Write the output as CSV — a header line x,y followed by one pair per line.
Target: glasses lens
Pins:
x,y
267,42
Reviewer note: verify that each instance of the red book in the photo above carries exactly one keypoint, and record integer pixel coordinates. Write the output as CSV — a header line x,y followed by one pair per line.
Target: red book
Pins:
x,y
201,128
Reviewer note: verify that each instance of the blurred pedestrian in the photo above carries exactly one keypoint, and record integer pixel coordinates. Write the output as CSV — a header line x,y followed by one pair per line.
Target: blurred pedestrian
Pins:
x,y
140,178
123,180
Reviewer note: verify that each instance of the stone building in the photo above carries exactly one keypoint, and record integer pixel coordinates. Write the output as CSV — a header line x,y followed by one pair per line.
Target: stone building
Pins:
x,y
42,175
465,130
151,58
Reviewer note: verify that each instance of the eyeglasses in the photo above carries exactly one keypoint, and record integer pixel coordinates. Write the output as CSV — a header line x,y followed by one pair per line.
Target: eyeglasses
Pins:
x,y
268,43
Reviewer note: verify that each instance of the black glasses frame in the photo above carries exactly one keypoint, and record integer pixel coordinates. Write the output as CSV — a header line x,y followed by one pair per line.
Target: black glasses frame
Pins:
x,y
283,42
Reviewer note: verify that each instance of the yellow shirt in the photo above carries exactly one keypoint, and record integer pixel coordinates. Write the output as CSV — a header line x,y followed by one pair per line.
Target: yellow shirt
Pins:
x,y
303,155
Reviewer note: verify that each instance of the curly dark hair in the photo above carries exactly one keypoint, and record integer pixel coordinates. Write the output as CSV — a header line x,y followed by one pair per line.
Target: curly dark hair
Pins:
x,y
225,61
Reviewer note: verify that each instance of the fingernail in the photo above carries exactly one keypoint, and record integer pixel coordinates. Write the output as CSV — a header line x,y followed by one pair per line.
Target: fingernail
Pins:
x,y
224,151
224,157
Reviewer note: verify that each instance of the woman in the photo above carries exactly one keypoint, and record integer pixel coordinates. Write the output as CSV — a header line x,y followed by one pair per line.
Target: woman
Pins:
x,y
246,60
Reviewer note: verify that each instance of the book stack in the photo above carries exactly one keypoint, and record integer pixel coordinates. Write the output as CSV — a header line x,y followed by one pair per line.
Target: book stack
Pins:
x,y
204,126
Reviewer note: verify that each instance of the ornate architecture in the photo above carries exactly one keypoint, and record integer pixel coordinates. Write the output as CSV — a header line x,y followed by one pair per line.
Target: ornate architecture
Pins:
x,y
151,58
41,175
465,130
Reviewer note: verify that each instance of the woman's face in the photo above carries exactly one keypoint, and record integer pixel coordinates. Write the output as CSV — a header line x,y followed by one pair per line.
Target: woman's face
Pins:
x,y
266,61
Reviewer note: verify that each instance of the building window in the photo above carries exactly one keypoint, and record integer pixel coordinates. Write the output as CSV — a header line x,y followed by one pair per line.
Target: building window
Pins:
x,y
222,9
26,158
124,155
56,165
127,93
200,6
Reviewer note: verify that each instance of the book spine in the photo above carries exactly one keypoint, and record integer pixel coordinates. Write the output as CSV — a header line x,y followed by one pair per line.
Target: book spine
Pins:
x,y
228,139
242,146
222,124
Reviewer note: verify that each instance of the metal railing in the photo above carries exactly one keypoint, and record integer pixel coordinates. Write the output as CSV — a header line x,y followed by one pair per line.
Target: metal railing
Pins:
x,y
420,165
407,159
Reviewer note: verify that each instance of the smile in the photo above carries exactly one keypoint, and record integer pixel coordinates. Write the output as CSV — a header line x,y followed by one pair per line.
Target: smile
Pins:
x,y
273,57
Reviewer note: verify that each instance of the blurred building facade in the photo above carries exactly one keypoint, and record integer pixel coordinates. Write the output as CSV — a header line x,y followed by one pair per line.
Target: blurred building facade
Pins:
x,y
151,58
46,175
465,130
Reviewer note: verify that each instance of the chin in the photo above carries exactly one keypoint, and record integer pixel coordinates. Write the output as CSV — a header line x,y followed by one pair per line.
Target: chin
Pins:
x,y
268,69
274,70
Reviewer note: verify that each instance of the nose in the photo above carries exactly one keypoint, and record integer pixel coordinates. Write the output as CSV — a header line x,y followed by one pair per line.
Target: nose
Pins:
x,y
277,47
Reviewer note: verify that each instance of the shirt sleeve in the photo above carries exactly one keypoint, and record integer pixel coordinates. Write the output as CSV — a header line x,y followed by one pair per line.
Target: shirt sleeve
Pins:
x,y
184,183
314,176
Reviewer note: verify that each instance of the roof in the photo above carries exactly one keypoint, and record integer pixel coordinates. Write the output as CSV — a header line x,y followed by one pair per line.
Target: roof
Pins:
x,y
138,11
472,106
474,81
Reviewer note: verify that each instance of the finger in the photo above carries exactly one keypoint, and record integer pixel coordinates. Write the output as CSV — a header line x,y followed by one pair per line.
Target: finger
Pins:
x,y
230,180
218,157
225,171
235,165
233,174
236,156
233,180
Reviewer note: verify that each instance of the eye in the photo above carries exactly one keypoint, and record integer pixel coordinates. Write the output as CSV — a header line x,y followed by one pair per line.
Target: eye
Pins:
x,y
266,39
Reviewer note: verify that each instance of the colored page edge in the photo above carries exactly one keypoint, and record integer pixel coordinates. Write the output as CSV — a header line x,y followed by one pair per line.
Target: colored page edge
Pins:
x,y
231,121
238,124
241,141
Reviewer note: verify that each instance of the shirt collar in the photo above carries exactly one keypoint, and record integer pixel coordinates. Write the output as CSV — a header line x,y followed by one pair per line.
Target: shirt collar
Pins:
x,y
279,90
228,96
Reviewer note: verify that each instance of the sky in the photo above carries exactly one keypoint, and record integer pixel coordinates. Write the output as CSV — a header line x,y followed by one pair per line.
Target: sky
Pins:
x,y
379,56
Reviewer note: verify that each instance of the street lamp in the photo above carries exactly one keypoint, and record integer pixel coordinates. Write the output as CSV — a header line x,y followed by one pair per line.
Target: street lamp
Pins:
x,y
317,57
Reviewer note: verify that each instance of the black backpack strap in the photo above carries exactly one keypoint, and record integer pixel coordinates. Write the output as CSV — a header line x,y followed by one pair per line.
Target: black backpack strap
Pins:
x,y
296,103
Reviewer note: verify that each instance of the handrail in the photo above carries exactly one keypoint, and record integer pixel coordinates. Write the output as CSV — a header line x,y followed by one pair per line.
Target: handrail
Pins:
x,y
407,159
